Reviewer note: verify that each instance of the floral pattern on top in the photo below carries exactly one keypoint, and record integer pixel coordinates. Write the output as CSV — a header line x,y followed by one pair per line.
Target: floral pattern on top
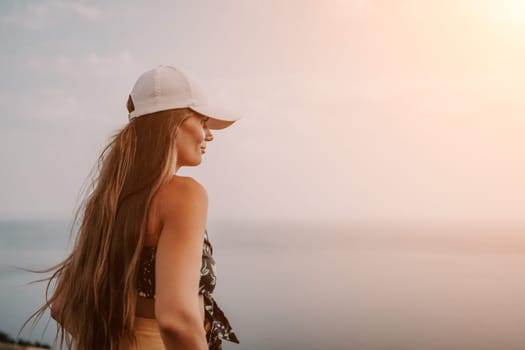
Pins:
x,y
220,328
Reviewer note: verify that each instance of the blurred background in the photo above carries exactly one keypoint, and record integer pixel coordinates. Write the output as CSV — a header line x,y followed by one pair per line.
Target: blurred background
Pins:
x,y
370,198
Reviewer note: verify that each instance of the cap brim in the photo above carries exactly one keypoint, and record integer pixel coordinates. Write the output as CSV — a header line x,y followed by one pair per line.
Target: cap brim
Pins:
x,y
218,119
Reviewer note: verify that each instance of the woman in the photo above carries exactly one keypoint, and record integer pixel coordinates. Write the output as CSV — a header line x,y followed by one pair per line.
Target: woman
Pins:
x,y
141,274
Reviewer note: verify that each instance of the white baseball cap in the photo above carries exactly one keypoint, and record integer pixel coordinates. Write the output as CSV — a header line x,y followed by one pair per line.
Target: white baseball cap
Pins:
x,y
166,87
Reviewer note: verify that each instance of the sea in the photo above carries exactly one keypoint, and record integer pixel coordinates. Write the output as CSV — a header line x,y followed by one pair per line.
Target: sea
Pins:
x,y
325,285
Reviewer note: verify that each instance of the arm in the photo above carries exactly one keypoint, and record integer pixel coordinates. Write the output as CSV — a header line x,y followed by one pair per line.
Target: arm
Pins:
x,y
182,208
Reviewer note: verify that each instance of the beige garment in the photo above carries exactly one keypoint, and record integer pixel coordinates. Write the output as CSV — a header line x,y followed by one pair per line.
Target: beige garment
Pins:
x,y
148,334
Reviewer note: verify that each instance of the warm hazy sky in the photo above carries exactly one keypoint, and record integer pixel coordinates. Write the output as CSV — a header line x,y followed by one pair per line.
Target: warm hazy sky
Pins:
x,y
353,109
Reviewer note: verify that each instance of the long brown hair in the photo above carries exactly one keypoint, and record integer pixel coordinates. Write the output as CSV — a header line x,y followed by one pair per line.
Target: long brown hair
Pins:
x,y
96,283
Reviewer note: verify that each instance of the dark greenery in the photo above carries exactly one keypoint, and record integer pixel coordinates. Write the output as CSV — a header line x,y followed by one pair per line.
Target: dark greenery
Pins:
x,y
5,338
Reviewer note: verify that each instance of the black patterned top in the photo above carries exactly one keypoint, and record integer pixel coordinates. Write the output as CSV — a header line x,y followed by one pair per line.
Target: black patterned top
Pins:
x,y
220,326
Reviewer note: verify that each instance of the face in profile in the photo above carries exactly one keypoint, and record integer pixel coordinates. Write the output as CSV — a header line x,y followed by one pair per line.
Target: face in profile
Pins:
x,y
191,140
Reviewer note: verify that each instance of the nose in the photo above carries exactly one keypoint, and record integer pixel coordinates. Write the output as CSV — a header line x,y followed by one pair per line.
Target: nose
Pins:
x,y
208,136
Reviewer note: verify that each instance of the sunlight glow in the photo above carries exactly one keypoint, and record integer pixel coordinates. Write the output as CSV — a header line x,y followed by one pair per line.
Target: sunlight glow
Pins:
x,y
509,12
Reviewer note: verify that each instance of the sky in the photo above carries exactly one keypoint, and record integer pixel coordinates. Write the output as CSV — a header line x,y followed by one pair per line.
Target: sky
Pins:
x,y
352,110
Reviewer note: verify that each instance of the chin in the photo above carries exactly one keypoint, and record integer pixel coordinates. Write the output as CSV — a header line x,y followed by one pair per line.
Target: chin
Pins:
x,y
193,161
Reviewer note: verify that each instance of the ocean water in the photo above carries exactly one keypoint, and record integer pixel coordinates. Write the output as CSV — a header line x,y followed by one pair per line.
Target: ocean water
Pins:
x,y
328,285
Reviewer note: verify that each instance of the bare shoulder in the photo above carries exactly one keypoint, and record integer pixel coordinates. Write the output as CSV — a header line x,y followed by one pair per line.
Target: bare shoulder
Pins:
x,y
182,194
182,187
